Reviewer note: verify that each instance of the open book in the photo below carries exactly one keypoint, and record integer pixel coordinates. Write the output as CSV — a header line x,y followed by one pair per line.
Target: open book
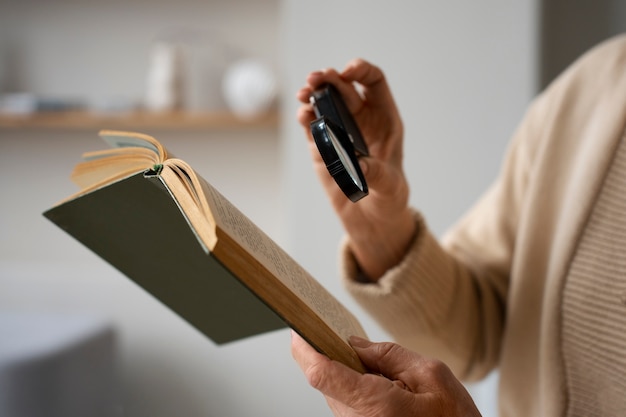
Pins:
x,y
167,229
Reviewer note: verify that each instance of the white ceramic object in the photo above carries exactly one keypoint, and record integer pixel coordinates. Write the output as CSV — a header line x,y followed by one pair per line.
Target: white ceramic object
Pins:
x,y
165,82
249,88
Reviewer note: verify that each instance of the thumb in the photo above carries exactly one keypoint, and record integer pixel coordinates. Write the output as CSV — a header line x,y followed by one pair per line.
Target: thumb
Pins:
x,y
388,359
379,175
372,170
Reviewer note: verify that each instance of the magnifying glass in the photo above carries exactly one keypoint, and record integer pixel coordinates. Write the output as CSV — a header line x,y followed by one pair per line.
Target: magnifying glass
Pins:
x,y
339,141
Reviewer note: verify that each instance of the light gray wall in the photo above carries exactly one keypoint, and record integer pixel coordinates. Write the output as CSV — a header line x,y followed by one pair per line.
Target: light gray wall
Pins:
x,y
96,49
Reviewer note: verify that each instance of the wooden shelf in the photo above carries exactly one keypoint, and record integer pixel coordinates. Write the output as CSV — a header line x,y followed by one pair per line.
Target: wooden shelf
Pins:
x,y
137,120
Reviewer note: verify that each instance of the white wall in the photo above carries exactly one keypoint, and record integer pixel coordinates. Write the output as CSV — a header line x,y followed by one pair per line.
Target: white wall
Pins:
x,y
96,50
462,73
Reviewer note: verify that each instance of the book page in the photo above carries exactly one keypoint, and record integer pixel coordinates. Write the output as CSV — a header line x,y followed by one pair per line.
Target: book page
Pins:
x,y
184,185
120,139
211,208
101,168
292,275
129,153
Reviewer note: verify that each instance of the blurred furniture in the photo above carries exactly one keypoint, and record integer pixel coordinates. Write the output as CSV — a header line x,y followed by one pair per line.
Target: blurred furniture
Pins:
x,y
56,365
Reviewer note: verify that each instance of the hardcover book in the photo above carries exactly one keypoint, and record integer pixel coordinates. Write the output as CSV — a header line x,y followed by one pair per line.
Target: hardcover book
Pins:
x,y
152,217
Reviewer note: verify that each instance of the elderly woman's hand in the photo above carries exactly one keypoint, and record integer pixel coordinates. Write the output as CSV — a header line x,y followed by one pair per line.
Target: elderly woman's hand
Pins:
x,y
401,382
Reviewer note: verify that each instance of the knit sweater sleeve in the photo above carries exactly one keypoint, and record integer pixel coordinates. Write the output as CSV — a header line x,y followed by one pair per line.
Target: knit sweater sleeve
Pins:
x,y
448,299
415,306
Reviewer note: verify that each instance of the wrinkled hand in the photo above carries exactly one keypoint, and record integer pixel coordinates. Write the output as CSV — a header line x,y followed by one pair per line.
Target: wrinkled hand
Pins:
x,y
380,226
402,383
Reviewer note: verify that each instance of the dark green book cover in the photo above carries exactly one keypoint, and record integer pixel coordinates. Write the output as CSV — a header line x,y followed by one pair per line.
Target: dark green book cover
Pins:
x,y
136,225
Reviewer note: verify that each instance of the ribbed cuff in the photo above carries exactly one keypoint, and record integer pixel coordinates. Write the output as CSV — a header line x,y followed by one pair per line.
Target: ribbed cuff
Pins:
x,y
414,300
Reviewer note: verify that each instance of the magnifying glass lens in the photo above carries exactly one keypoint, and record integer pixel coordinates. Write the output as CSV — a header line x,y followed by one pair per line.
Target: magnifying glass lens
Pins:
x,y
340,158
344,157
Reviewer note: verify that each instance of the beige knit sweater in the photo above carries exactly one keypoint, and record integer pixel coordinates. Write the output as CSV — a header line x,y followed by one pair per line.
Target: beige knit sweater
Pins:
x,y
533,279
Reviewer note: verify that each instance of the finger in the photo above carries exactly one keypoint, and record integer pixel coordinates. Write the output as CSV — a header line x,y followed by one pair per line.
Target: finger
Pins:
x,y
329,377
349,393
343,385
305,116
318,78
435,386
315,80
303,94
302,352
346,89
388,359
419,374
379,177
315,366
363,72
376,90
374,172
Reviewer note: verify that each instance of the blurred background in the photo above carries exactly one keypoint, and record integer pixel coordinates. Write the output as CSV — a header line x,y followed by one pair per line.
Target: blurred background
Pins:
x,y
215,81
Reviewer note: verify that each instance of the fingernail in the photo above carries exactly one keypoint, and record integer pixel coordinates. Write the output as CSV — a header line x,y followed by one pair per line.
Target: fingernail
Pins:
x,y
359,342
364,166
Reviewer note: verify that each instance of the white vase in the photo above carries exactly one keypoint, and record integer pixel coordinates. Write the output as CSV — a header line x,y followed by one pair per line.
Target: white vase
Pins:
x,y
249,88
166,78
